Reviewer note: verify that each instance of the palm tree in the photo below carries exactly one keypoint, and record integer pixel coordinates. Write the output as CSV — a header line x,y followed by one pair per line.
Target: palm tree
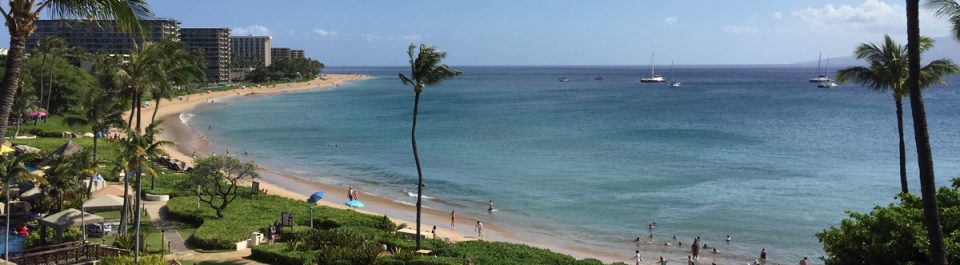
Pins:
x,y
887,72
13,169
175,67
100,112
20,17
928,185
427,69
61,179
142,148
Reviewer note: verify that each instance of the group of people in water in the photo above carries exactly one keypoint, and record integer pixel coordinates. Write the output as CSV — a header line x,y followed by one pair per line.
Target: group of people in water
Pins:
x,y
695,248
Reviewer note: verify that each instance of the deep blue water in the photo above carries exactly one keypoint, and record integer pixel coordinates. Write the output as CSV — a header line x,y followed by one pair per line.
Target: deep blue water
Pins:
x,y
752,151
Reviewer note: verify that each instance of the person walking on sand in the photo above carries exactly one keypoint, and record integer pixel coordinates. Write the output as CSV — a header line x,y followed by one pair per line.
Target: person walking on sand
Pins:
x,y
638,257
479,229
453,219
695,249
804,261
662,261
490,206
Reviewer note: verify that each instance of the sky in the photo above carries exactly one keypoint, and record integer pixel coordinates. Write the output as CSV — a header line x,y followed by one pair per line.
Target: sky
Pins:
x,y
559,32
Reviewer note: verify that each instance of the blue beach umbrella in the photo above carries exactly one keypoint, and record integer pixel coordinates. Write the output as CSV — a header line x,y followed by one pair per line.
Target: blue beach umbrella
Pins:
x,y
315,197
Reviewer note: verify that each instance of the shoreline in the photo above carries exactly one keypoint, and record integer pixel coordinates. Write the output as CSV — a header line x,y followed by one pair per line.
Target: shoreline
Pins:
x,y
291,186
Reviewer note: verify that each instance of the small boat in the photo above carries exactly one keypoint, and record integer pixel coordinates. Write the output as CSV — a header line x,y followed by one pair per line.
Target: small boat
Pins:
x,y
598,78
563,79
675,84
654,77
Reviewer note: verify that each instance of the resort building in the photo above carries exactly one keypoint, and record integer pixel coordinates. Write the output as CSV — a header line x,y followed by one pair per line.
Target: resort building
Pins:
x,y
101,35
277,54
296,54
214,45
249,51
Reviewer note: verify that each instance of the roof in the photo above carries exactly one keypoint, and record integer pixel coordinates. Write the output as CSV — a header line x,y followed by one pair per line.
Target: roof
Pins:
x,y
70,218
68,148
104,201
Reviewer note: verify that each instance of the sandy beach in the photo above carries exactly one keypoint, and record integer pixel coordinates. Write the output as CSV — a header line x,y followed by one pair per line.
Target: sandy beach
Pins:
x,y
280,183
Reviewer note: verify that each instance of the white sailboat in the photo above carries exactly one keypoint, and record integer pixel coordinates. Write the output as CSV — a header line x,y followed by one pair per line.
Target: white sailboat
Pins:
x,y
654,77
673,83
821,77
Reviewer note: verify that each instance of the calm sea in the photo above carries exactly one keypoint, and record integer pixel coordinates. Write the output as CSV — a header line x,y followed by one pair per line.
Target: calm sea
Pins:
x,y
756,152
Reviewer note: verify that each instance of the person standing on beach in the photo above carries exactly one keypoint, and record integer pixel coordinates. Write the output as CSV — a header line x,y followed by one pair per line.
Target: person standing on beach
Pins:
x,y
434,232
695,249
453,219
763,254
804,261
638,257
690,261
490,206
662,261
479,229
349,193
356,194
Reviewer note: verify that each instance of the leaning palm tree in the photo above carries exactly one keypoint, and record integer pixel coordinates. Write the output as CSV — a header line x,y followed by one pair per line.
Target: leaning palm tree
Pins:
x,y
175,66
928,185
13,169
426,69
20,17
100,112
888,72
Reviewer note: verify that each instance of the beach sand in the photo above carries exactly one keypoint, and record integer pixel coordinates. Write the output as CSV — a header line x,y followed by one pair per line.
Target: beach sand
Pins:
x,y
279,183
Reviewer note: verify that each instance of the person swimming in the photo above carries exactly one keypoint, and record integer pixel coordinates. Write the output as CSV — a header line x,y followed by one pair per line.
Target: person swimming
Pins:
x,y
490,206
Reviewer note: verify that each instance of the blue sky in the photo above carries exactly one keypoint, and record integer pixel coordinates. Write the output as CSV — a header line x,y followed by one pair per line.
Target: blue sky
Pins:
x,y
560,32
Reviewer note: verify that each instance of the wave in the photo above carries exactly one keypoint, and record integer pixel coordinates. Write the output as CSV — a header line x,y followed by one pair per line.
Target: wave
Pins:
x,y
411,194
185,118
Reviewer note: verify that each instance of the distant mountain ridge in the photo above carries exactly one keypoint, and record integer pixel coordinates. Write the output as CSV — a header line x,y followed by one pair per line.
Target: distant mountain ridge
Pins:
x,y
944,47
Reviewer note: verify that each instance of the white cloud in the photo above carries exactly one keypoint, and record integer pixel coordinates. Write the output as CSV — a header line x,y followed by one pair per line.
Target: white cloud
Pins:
x,y
412,37
871,16
371,37
777,15
670,20
324,33
740,29
256,30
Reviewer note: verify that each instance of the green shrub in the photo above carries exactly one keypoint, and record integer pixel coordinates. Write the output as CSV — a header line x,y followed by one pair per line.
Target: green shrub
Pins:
x,y
278,254
128,260
486,252
33,240
588,262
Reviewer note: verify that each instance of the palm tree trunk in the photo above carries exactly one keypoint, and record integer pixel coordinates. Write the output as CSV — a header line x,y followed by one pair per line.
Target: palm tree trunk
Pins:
x,y
97,171
133,110
139,198
416,157
903,150
49,95
11,78
928,186
156,108
6,234
124,213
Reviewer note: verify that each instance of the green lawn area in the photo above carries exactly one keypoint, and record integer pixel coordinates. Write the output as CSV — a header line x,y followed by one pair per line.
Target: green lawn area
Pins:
x,y
151,241
51,128
107,150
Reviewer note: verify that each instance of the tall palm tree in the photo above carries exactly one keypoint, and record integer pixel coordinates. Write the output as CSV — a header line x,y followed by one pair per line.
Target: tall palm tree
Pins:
x,y
20,17
100,112
61,178
142,148
887,72
426,69
13,169
928,185
175,66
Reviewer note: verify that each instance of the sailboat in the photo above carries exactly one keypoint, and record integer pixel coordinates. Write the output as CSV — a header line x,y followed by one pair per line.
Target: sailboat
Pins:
x,y
820,76
673,83
827,83
654,77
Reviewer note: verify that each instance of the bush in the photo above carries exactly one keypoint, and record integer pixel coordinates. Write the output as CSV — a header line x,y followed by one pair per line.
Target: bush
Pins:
x,y
588,262
485,252
279,254
894,234
128,260
33,240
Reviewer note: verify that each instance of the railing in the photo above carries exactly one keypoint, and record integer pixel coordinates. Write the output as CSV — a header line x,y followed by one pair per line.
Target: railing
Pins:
x,y
69,253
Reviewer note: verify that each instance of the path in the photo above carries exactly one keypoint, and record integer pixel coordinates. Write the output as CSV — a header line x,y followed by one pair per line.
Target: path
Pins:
x,y
178,245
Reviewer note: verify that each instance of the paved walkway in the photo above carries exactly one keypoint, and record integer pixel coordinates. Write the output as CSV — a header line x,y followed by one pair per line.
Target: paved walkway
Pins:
x,y
158,215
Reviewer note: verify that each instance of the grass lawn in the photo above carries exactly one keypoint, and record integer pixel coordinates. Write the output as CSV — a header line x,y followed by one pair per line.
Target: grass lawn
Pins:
x,y
53,126
151,241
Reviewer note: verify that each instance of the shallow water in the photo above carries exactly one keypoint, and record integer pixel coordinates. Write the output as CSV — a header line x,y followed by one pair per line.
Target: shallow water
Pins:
x,y
755,152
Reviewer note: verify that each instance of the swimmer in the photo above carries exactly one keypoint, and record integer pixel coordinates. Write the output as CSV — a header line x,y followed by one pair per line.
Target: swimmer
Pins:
x,y
490,206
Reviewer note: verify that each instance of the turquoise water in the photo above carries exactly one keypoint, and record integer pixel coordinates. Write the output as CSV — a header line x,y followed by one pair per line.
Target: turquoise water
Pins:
x,y
755,152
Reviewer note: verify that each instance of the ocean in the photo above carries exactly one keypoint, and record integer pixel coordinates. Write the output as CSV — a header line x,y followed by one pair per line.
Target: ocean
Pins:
x,y
755,152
